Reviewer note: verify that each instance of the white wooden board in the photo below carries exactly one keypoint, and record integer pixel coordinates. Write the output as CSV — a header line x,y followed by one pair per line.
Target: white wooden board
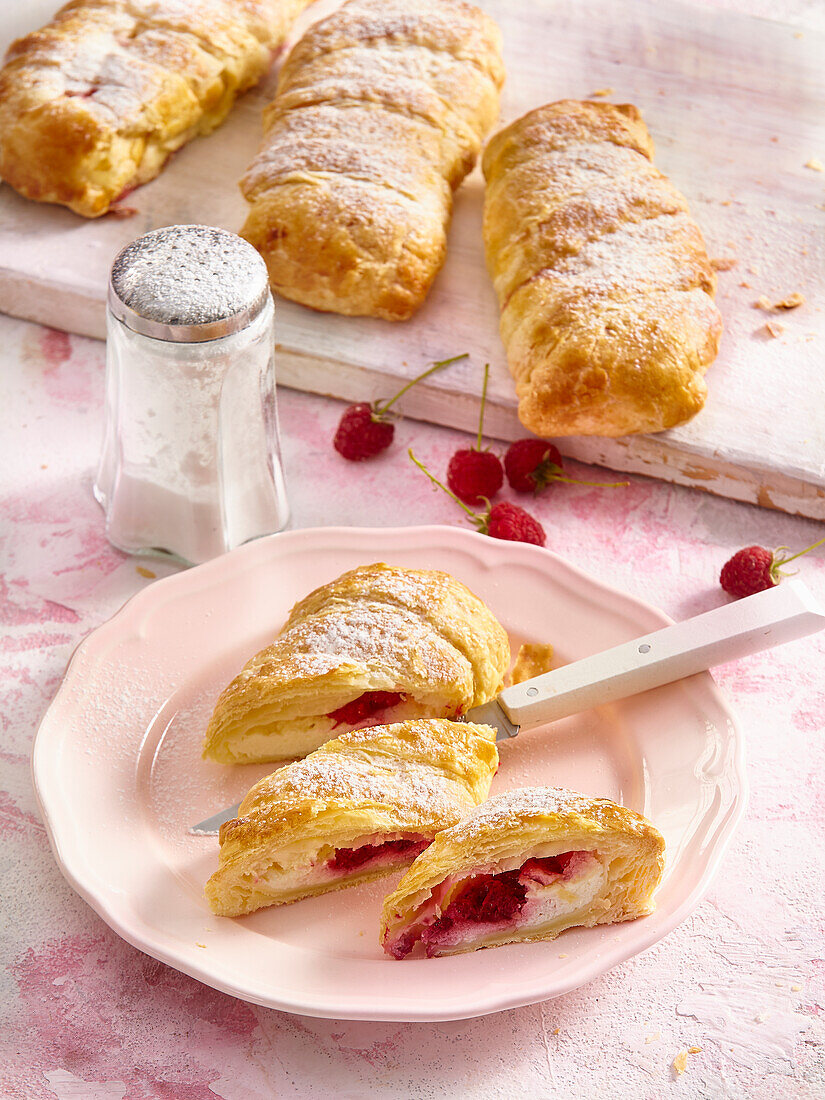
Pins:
x,y
736,106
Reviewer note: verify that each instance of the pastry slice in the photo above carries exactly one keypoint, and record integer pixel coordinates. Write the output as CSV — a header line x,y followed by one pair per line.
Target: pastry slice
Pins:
x,y
93,104
525,866
377,645
359,807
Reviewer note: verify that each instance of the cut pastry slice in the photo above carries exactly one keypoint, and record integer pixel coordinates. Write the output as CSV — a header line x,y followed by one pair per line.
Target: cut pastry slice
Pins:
x,y
377,645
359,807
525,866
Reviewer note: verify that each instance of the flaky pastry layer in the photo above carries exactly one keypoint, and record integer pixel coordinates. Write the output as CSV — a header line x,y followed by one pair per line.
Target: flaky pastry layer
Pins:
x,y
380,113
603,279
417,635
614,857
384,785
93,104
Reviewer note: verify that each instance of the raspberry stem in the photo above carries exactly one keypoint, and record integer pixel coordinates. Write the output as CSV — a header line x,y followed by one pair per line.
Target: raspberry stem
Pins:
x,y
776,572
554,476
483,403
479,521
379,409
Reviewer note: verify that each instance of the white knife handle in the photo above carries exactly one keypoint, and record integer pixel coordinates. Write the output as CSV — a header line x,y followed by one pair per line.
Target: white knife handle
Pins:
x,y
757,622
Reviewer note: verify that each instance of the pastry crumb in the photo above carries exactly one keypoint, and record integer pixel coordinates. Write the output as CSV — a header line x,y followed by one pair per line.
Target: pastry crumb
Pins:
x,y
654,1038
200,945
724,263
563,955
815,164
600,92
774,329
796,988
763,302
745,283
754,270
534,658
680,1063
144,572
694,1050
558,1029
761,1017
791,302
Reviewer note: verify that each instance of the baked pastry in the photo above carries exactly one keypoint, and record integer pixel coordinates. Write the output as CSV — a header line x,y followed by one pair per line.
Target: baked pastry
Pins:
x,y
353,810
377,645
93,104
380,113
605,286
525,866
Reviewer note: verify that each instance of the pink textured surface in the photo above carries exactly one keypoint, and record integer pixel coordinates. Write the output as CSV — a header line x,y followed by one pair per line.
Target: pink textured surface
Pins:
x,y
742,979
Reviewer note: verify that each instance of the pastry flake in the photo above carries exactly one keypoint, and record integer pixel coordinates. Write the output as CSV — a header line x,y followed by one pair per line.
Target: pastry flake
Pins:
x,y
525,866
93,104
380,113
380,644
357,808
603,280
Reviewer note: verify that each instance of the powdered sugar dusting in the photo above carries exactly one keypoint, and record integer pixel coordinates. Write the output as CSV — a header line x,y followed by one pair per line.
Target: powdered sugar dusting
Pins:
x,y
507,810
406,768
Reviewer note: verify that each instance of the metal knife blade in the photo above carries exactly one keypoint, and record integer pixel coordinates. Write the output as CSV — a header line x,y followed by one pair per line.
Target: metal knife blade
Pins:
x,y
210,825
492,714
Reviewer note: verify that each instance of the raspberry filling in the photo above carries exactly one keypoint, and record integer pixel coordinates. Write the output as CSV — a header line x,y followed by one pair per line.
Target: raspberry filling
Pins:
x,y
350,859
364,707
490,899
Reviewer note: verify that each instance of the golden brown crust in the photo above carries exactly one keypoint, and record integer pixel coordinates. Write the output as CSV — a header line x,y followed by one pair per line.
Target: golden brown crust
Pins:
x,y
420,633
93,104
604,282
380,113
532,822
408,779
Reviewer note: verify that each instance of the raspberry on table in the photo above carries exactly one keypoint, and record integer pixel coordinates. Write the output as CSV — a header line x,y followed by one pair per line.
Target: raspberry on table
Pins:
x,y
755,569
365,430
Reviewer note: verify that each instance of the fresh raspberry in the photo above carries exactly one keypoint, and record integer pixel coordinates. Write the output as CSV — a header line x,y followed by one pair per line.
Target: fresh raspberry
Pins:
x,y
501,521
362,434
475,476
754,569
508,521
366,430
748,571
532,464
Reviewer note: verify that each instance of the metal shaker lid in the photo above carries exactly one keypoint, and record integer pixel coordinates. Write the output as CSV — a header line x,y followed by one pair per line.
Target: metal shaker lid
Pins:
x,y
188,283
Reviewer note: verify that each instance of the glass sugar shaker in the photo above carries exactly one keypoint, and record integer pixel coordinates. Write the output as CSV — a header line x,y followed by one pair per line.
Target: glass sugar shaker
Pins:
x,y
191,461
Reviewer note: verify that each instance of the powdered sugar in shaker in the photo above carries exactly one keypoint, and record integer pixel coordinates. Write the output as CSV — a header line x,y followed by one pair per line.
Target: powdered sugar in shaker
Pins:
x,y
191,457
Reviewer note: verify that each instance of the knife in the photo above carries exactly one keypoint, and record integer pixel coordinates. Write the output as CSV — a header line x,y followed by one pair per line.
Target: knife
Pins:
x,y
767,619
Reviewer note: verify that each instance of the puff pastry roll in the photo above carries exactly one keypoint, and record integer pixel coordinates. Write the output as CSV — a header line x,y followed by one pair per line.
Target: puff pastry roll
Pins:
x,y
380,113
93,104
525,866
357,808
377,645
605,286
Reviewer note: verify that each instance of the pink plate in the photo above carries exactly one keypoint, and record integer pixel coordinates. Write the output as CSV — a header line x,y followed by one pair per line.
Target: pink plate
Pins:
x,y
119,776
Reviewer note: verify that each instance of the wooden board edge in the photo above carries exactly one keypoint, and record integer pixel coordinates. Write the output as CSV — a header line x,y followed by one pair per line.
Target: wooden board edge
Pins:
x,y
650,456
